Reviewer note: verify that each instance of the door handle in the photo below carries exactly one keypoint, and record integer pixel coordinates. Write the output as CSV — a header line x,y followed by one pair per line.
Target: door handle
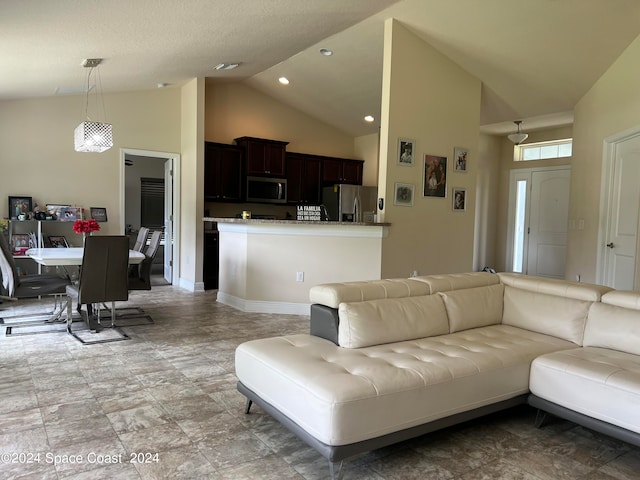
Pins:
x,y
610,245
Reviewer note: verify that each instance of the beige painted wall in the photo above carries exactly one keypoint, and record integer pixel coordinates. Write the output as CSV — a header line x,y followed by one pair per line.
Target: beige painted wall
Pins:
x,y
487,198
367,148
235,110
611,106
192,188
37,158
428,98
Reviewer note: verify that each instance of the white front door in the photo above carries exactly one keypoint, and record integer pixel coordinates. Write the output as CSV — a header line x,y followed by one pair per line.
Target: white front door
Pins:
x,y
538,217
620,244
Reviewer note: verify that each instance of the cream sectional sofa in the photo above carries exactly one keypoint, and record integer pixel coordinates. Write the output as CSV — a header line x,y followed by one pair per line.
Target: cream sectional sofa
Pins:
x,y
388,360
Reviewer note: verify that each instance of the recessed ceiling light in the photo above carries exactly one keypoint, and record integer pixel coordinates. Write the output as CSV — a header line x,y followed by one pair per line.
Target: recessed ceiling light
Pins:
x,y
326,52
284,80
163,85
226,66
369,118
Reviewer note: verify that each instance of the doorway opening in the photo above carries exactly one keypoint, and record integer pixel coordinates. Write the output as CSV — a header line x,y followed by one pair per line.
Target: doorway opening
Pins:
x,y
150,198
538,221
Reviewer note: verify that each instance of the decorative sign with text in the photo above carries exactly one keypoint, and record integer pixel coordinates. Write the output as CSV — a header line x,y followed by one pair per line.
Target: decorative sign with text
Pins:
x,y
311,213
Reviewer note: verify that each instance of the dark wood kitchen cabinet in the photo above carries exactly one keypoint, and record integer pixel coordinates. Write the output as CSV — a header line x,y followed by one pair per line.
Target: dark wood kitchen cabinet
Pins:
x,y
223,172
304,178
342,170
264,157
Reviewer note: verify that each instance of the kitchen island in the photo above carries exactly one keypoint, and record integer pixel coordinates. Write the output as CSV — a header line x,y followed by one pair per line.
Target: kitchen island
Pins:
x,y
269,266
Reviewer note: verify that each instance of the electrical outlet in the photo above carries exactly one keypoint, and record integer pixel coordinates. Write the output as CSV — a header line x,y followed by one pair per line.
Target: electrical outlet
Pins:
x,y
299,276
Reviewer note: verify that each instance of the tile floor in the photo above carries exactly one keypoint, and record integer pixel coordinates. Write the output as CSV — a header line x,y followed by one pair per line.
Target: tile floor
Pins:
x,y
163,405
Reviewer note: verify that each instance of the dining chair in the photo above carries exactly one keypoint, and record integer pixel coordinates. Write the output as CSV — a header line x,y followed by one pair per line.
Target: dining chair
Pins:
x,y
141,239
17,287
103,279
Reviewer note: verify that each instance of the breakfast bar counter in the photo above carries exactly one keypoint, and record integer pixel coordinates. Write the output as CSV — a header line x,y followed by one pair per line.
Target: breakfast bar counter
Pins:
x,y
269,265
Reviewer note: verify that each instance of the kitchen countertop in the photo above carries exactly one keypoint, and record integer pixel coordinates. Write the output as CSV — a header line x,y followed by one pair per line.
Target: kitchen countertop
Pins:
x,y
258,221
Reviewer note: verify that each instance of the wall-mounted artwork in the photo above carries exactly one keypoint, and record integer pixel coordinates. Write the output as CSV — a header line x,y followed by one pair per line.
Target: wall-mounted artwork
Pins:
x,y
459,199
403,195
435,176
19,206
406,152
460,157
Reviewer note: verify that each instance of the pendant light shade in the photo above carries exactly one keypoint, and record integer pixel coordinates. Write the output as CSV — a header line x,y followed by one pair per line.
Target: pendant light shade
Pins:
x,y
93,136
518,138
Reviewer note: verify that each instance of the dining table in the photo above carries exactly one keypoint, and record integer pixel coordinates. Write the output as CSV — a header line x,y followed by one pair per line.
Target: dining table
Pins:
x,y
61,257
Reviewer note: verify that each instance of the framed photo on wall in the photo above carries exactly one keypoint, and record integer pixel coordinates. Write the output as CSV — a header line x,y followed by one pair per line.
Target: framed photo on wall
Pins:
x,y
460,157
403,194
406,152
19,206
459,199
99,214
435,176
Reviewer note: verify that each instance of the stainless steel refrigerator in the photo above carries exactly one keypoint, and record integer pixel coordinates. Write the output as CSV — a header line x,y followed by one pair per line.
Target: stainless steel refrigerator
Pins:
x,y
350,203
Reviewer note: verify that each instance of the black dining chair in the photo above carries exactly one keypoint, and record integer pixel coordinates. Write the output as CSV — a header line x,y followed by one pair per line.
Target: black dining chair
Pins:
x,y
103,280
16,287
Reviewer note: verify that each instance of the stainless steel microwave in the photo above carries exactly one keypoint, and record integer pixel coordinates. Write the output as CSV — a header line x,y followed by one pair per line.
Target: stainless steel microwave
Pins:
x,y
266,190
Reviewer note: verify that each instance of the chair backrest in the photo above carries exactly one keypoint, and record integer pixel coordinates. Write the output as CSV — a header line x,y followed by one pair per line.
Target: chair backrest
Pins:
x,y
154,243
141,239
8,267
103,276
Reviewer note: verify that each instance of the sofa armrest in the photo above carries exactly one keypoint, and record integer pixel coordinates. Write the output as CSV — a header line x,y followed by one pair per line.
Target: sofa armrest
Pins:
x,y
324,322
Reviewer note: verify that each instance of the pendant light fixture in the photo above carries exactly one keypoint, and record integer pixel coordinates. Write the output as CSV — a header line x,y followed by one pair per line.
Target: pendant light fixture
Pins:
x,y
90,135
518,138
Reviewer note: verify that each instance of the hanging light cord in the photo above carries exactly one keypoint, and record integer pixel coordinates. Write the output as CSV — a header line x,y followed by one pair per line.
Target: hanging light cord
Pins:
x,y
98,93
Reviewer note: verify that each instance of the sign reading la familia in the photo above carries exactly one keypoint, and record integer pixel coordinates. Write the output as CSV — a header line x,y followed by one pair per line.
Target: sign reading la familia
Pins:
x,y
311,213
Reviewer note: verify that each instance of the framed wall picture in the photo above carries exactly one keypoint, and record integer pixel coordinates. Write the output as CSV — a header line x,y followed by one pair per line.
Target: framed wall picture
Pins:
x,y
460,157
19,206
406,152
58,241
403,194
435,176
459,199
68,214
99,214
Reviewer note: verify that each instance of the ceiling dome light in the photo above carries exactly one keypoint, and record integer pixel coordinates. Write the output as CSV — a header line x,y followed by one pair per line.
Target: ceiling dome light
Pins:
x,y
284,80
518,138
326,52
369,118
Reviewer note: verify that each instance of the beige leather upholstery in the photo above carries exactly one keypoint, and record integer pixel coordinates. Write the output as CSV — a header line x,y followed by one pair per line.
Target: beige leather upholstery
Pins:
x,y
333,294
473,307
341,395
580,291
613,327
622,298
458,281
375,322
597,382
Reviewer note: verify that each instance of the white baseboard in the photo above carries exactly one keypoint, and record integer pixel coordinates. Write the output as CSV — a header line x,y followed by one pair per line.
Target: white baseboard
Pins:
x,y
261,306
191,286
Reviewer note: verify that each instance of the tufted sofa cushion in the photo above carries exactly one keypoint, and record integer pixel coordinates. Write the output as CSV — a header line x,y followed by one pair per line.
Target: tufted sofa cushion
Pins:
x,y
473,307
375,322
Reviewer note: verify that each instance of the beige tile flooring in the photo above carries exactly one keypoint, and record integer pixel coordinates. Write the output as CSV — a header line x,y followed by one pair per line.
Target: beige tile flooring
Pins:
x,y
167,397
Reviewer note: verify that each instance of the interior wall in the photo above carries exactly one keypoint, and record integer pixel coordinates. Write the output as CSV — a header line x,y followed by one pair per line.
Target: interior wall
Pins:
x,y
192,188
38,159
236,110
428,98
487,201
611,106
367,148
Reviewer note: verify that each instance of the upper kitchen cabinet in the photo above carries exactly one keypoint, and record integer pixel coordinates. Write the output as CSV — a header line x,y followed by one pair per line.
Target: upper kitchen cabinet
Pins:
x,y
342,170
304,178
222,172
264,157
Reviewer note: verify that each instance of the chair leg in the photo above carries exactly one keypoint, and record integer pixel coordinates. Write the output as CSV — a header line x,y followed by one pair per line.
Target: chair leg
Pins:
x,y
69,317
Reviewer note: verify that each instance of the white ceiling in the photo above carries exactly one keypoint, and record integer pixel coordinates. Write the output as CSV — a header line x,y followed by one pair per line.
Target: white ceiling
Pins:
x,y
536,58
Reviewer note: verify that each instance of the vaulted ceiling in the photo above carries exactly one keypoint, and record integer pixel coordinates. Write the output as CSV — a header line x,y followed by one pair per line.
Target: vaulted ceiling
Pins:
x,y
535,59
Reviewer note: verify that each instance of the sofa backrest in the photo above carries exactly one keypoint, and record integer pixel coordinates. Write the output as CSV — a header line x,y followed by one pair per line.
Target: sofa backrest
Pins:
x,y
473,307
458,281
333,294
615,322
388,320
548,306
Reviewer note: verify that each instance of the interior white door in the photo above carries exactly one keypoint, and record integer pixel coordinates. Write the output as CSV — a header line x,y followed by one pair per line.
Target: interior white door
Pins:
x,y
622,235
548,219
168,220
